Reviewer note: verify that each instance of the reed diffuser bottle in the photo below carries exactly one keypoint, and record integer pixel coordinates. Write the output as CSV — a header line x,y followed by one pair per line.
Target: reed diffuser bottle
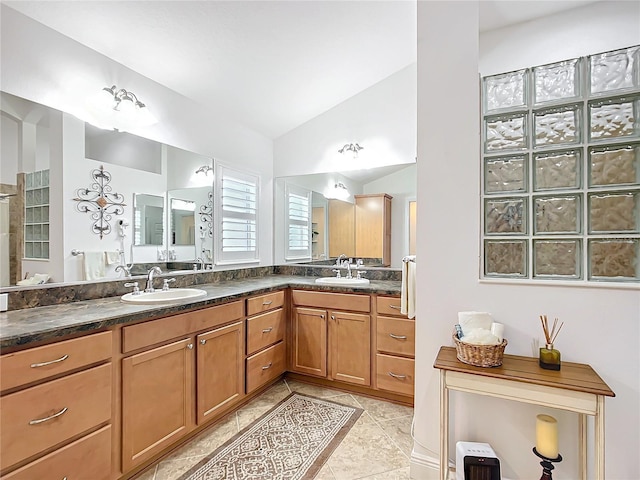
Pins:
x,y
549,358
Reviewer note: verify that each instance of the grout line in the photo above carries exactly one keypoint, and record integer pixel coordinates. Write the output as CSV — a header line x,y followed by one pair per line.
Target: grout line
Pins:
x,y
389,437
286,384
155,472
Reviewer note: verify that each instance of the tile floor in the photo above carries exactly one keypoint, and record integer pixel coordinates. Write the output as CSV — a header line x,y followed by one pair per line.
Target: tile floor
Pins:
x,y
378,447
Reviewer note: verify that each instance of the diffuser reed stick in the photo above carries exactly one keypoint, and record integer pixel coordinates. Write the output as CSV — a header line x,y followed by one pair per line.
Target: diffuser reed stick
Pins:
x,y
549,356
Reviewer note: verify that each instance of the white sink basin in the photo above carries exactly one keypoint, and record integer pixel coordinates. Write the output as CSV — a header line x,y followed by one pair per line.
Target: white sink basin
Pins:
x,y
173,295
345,282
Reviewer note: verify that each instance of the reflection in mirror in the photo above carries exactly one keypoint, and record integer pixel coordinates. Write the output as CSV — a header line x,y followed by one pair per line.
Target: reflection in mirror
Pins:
x,y
334,221
148,219
183,222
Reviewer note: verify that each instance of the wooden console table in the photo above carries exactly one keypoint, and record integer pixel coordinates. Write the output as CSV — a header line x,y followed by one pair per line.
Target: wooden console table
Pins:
x,y
575,387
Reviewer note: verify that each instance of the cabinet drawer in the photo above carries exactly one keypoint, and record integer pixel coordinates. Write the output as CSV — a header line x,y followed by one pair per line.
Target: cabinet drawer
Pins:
x,y
395,374
262,303
334,301
396,335
87,458
389,306
265,329
27,366
163,329
43,416
265,366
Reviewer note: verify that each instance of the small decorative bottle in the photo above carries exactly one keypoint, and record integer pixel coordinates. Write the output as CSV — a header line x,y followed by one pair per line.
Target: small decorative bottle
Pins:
x,y
549,357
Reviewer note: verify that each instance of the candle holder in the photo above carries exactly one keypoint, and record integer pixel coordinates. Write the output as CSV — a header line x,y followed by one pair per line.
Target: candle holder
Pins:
x,y
547,464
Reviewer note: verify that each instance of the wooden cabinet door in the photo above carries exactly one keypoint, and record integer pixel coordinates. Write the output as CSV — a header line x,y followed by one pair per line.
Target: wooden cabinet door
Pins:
x,y
220,370
157,400
350,347
309,341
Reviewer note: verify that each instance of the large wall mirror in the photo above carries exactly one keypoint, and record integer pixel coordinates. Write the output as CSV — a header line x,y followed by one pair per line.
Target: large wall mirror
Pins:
x,y
148,219
334,221
48,155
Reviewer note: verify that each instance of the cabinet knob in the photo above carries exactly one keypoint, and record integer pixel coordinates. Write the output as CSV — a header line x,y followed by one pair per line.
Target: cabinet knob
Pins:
x,y
333,317
190,346
321,316
203,341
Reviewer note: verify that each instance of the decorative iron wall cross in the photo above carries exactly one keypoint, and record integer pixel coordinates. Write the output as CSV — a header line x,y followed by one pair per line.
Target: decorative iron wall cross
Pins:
x,y
100,202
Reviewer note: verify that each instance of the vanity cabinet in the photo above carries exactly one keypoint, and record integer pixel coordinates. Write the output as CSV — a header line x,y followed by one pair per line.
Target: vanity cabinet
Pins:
x,y
266,334
200,371
331,335
395,347
55,406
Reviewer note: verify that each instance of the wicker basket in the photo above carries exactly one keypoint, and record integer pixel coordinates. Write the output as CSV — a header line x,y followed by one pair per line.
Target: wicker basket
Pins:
x,y
479,355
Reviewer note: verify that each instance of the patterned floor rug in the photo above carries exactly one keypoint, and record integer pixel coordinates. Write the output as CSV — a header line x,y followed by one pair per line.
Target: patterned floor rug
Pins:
x,y
290,442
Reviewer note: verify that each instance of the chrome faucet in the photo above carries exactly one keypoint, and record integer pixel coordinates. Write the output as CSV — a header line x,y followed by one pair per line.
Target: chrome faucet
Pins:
x,y
347,264
339,260
125,269
153,270
200,260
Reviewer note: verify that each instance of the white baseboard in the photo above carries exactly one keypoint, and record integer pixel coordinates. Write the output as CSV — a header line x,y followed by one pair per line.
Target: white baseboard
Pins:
x,y
424,467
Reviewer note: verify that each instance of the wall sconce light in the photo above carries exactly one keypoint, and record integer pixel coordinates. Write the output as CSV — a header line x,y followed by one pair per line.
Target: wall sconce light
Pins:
x,y
340,191
351,147
204,169
124,109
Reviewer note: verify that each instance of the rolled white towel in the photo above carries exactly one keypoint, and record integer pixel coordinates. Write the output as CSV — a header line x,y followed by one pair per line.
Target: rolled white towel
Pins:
x,y
480,336
470,320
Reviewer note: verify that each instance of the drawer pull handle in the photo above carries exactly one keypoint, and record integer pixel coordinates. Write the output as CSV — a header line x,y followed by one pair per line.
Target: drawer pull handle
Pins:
x,y
396,307
203,341
44,364
267,303
267,330
395,375
46,419
266,367
190,346
398,337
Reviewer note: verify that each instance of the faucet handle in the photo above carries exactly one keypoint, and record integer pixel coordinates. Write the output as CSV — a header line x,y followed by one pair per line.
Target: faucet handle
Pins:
x,y
136,290
337,270
167,281
361,273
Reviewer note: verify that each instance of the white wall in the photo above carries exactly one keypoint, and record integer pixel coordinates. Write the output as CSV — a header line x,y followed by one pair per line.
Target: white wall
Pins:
x,y
602,324
44,66
382,119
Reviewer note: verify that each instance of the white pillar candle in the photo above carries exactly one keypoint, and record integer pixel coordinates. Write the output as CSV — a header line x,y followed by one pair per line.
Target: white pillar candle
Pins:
x,y
547,436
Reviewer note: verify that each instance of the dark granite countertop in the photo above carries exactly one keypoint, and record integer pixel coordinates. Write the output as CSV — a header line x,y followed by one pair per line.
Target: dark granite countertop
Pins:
x,y
29,325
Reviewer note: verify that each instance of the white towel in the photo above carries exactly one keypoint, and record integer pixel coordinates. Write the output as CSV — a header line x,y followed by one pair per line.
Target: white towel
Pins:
x,y
94,265
408,292
470,320
112,257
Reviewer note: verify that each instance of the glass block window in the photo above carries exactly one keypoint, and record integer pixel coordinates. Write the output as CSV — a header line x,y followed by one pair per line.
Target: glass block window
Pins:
x,y
36,214
561,170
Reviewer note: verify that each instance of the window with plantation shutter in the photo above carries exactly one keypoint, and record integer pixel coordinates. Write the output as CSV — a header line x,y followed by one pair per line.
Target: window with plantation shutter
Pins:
x,y
237,195
298,224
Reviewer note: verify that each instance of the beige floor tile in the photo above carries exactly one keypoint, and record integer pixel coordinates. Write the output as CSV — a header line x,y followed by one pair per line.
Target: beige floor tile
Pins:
x,y
325,473
262,404
313,390
399,429
208,440
366,450
148,475
382,410
172,469
400,474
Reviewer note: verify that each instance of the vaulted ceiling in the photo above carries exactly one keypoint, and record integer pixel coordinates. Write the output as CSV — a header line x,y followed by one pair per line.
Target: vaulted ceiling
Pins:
x,y
270,65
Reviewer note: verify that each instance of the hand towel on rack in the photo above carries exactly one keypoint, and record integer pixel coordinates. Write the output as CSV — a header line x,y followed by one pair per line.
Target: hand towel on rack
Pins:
x,y
94,265
112,257
408,291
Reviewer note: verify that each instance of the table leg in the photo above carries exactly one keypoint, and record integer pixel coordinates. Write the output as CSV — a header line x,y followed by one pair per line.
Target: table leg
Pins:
x,y
599,438
444,426
582,446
